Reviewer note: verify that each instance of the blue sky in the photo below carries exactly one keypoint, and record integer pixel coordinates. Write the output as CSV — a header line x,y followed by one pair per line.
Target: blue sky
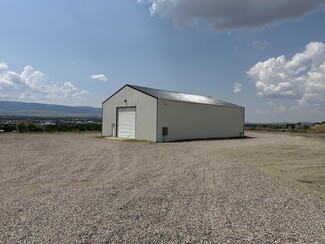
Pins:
x,y
268,56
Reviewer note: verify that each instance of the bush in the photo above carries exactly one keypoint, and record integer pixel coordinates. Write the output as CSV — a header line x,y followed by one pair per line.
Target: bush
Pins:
x,y
21,127
8,127
29,126
32,127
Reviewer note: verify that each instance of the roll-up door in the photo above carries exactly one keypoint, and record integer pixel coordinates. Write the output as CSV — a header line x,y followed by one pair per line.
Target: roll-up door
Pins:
x,y
126,122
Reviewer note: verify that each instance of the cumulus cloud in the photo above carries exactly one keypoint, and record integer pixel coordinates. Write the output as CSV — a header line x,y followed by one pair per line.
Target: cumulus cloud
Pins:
x,y
277,108
232,14
34,85
301,78
25,96
70,89
9,79
3,66
3,96
237,87
260,44
100,77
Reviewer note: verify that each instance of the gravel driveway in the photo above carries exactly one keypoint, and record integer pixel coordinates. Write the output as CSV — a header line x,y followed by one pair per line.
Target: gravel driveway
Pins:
x,y
79,188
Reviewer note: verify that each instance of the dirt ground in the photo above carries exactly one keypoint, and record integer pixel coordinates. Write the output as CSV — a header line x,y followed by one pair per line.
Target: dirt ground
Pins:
x,y
81,188
296,158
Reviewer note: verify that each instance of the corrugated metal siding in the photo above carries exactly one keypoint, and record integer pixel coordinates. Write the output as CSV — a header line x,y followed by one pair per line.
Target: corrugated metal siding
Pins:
x,y
198,121
146,113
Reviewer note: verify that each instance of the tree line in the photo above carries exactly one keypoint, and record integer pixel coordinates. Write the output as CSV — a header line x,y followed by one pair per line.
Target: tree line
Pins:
x,y
31,126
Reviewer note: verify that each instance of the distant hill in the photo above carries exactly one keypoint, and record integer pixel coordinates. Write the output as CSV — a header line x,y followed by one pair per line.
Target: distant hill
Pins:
x,y
46,110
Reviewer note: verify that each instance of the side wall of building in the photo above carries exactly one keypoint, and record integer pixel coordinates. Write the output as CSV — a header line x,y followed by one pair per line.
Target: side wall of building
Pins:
x,y
146,113
198,121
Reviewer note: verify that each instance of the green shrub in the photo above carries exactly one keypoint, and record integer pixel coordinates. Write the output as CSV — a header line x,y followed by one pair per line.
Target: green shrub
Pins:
x,y
21,127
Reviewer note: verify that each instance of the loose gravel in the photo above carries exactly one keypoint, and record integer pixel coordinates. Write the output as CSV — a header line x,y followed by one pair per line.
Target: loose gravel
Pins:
x,y
80,188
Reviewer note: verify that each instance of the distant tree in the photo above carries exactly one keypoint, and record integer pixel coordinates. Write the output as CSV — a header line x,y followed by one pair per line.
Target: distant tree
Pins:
x,y
32,127
50,128
21,127
8,127
29,126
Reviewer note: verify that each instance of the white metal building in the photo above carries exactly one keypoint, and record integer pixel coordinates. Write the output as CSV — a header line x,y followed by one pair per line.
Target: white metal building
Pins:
x,y
157,115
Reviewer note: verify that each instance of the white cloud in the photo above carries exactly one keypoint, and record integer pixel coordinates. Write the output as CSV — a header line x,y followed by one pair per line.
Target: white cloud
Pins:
x,y
3,96
34,85
83,92
232,14
301,78
70,90
25,96
33,79
260,44
9,79
100,77
277,108
237,87
3,65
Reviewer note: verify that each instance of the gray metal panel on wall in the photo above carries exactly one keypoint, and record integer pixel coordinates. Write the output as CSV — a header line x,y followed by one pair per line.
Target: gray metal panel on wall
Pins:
x,y
197,121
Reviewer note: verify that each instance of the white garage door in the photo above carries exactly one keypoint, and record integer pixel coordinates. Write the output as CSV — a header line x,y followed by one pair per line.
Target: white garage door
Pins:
x,y
126,122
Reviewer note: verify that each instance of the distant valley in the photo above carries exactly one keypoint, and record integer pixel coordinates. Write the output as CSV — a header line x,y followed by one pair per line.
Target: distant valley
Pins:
x,y
47,110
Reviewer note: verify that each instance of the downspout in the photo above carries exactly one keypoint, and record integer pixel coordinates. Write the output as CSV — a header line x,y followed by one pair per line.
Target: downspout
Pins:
x,y
157,118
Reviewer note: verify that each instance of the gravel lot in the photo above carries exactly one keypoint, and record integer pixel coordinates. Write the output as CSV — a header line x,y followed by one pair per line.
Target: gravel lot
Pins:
x,y
80,188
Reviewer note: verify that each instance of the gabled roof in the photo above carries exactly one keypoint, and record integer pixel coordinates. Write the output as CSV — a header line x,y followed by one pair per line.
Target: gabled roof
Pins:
x,y
182,97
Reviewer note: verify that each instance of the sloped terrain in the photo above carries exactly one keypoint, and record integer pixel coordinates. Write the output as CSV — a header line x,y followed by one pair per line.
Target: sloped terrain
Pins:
x,y
46,110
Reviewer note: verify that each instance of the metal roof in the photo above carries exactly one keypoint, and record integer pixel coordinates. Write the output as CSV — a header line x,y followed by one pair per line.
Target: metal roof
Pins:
x,y
182,97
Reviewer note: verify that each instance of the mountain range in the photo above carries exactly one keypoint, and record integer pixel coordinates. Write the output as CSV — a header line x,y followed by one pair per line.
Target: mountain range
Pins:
x,y
47,110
